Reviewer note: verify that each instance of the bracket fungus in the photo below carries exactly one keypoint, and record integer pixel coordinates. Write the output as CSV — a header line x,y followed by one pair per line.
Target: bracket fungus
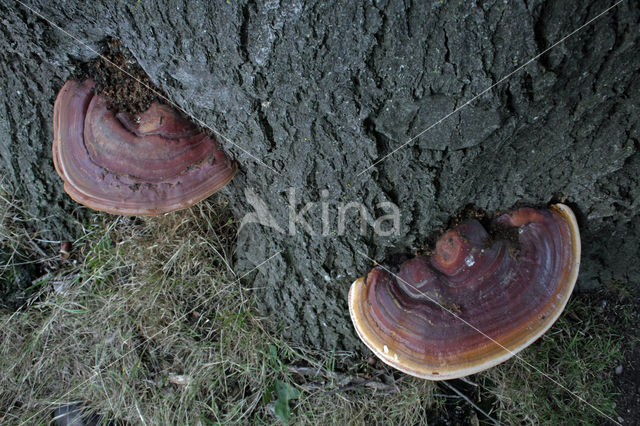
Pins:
x,y
476,301
144,164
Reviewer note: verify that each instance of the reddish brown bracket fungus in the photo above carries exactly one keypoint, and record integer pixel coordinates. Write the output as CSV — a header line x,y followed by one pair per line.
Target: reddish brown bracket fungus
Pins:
x,y
476,300
151,163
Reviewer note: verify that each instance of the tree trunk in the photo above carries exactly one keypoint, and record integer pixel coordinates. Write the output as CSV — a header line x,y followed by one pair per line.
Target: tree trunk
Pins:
x,y
319,93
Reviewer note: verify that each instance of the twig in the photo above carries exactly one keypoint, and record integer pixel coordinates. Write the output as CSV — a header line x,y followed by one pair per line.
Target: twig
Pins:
x,y
463,396
356,384
311,371
444,395
345,382
467,381
34,245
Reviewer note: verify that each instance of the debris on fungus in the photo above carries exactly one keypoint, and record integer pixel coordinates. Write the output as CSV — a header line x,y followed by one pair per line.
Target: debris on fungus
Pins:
x,y
476,301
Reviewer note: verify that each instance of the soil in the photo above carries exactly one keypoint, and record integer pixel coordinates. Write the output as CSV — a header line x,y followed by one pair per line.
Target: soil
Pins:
x,y
319,93
627,380
628,386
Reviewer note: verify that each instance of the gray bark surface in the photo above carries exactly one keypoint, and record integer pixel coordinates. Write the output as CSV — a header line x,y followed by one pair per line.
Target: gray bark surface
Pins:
x,y
319,92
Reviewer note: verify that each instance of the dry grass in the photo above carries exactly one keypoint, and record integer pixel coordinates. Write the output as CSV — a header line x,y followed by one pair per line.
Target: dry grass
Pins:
x,y
147,323
21,253
580,352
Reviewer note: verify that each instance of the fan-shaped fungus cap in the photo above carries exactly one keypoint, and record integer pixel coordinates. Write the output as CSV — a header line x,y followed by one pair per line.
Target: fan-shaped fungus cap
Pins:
x,y
151,163
476,300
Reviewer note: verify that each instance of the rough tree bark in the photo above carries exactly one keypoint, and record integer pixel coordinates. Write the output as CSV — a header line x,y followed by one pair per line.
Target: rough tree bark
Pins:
x,y
321,92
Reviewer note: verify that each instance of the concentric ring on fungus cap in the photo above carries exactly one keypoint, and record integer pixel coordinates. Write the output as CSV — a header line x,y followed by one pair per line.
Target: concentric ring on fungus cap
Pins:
x,y
432,319
144,164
